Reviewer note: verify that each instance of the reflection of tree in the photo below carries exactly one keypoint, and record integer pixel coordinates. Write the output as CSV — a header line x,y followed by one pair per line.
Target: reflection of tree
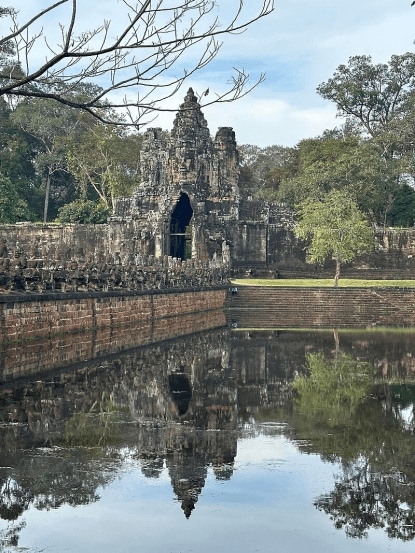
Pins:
x,y
344,417
365,498
399,401
10,536
95,427
49,479
332,390
14,499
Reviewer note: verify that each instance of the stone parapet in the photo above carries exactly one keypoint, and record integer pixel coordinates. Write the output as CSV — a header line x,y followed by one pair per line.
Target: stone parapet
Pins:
x,y
52,261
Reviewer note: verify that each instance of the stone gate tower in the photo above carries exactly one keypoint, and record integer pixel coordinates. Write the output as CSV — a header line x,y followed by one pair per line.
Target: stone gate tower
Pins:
x,y
188,196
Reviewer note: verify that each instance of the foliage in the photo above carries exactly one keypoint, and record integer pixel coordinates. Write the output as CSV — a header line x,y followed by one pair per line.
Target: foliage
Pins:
x,y
262,169
51,150
378,100
333,227
12,207
17,153
83,211
105,162
49,123
334,388
337,161
402,212
372,95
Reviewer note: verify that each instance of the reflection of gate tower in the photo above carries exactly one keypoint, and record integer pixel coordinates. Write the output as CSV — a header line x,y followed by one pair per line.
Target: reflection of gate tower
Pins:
x,y
188,196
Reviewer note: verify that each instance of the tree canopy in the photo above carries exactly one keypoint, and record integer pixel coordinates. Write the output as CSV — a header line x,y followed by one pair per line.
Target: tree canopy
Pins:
x,y
373,95
105,161
333,227
40,141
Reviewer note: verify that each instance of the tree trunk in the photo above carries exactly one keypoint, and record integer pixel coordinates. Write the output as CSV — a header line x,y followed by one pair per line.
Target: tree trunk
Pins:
x,y
337,275
47,193
337,342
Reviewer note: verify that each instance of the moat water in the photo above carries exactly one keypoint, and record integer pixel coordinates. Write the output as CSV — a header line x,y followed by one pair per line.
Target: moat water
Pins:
x,y
225,440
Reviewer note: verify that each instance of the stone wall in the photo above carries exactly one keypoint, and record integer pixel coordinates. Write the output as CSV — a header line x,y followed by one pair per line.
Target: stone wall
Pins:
x,y
33,316
274,250
188,164
57,279
70,350
187,204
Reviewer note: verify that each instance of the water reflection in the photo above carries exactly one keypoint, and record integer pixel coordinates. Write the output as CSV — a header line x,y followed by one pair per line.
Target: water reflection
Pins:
x,y
346,413
182,408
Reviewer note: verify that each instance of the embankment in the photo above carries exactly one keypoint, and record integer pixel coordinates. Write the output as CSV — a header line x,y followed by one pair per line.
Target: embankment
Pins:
x,y
36,316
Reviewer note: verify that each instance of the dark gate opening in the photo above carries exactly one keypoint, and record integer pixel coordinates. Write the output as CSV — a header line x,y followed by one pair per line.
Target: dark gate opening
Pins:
x,y
180,235
181,391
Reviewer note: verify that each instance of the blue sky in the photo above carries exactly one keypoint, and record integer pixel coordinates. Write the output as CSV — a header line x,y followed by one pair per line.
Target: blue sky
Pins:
x,y
298,46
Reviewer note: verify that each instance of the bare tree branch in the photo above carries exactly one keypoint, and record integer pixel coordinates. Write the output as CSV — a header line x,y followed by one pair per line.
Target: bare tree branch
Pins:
x,y
159,46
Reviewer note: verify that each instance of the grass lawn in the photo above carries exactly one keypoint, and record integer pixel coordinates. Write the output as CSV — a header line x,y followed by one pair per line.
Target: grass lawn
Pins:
x,y
324,283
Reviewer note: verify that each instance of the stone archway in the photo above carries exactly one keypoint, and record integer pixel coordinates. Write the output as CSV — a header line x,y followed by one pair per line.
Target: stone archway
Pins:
x,y
180,235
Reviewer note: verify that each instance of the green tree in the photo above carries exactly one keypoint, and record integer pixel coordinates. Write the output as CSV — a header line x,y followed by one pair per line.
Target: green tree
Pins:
x,y
262,169
339,160
379,101
12,207
83,211
334,227
105,163
17,154
48,122
402,212
372,95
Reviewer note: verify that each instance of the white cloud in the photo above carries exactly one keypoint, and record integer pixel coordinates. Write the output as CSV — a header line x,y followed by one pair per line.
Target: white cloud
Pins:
x,y
266,121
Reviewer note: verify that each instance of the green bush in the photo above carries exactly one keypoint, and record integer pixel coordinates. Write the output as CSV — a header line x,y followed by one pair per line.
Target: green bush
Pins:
x,y
83,211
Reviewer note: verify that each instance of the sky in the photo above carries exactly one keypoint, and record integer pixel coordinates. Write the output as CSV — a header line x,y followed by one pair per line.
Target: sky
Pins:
x,y
298,47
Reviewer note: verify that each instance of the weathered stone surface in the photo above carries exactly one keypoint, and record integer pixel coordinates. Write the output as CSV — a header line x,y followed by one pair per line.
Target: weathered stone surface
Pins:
x,y
187,166
71,258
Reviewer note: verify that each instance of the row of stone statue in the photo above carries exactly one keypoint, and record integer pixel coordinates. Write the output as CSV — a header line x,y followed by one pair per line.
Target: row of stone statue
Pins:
x,y
69,271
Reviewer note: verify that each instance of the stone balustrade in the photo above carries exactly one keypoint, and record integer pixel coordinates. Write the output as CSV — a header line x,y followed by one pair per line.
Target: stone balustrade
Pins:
x,y
22,273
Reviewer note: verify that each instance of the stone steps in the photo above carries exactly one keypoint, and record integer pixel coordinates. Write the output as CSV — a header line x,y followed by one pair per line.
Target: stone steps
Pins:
x,y
265,307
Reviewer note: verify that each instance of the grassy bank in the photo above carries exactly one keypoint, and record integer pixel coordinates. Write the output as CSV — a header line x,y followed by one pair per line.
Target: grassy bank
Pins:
x,y
324,283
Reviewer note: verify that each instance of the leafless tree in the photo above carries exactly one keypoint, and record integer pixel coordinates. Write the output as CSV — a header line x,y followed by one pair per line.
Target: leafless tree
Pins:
x,y
160,45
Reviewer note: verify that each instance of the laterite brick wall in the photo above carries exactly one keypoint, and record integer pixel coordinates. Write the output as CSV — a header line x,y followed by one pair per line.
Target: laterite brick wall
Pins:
x,y
29,317
60,352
